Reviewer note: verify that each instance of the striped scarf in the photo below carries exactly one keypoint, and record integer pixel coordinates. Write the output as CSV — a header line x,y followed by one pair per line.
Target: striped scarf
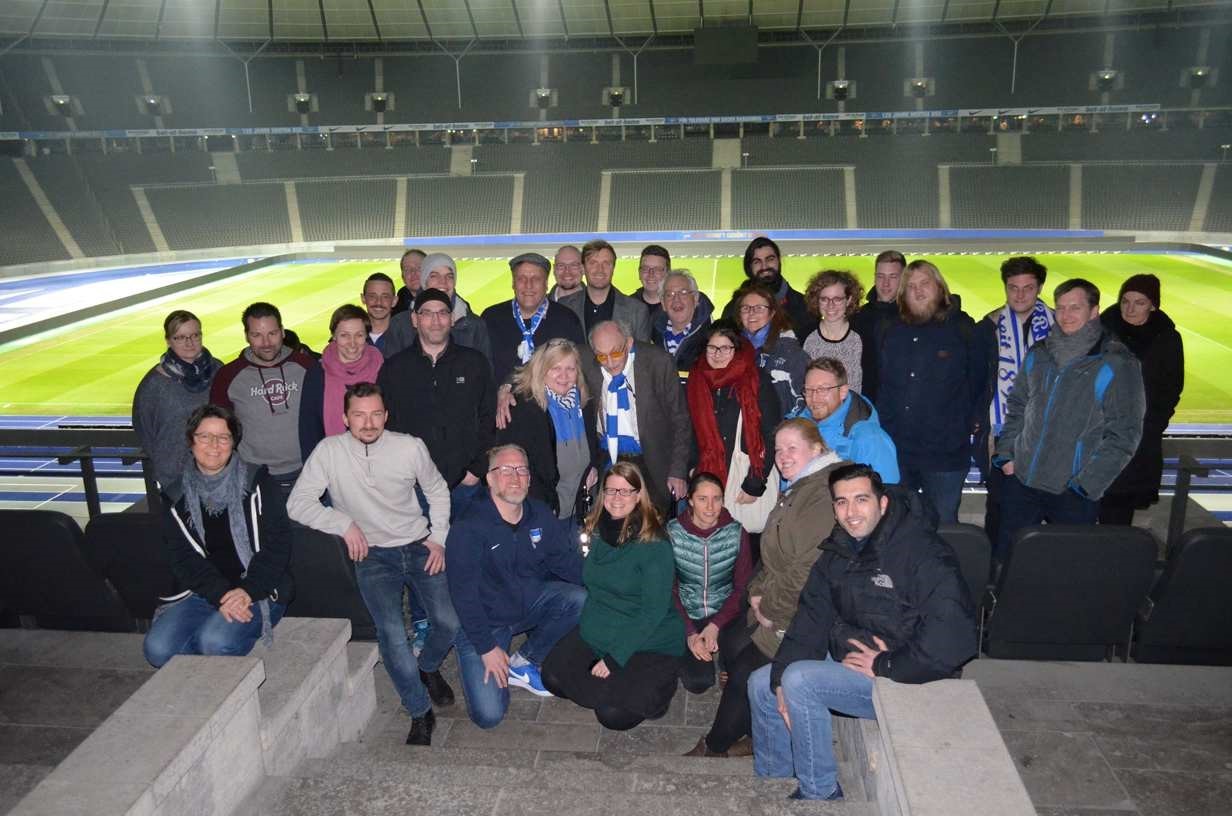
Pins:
x,y
619,421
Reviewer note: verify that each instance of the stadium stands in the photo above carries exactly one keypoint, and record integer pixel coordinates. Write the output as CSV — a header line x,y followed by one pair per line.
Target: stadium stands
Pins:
x,y
347,210
896,196
1009,197
295,164
239,215
26,235
64,183
1117,144
469,205
1139,197
802,198
645,200
1219,214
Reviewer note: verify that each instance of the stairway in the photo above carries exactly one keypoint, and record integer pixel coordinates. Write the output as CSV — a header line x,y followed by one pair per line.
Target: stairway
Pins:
x,y
549,758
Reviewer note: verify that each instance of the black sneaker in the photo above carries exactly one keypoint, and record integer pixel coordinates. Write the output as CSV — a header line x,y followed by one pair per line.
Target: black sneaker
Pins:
x,y
438,689
421,729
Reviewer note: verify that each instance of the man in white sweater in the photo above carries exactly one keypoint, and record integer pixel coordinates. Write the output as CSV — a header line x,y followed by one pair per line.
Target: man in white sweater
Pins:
x,y
371,475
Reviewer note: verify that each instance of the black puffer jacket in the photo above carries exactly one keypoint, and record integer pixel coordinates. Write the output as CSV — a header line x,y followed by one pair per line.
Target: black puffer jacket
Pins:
x,y
903,585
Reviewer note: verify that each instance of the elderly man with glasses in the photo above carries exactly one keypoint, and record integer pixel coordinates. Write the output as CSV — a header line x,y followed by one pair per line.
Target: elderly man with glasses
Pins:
x,y
512,569
643,417
679,327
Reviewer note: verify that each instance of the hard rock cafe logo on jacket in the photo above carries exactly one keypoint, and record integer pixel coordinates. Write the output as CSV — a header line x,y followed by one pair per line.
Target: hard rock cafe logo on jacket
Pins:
x,y
276,391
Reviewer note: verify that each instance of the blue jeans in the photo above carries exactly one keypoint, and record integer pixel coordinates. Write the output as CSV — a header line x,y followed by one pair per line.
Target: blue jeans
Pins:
x,y
553,614
1023,506
943,488
194,626
813,689
382,577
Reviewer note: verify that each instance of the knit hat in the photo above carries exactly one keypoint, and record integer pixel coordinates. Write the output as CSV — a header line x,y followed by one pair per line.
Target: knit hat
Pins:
x,y
533,258
1144,284
433,261
429,295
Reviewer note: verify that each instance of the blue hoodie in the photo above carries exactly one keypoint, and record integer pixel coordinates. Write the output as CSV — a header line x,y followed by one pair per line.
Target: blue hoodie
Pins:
x,y
854,432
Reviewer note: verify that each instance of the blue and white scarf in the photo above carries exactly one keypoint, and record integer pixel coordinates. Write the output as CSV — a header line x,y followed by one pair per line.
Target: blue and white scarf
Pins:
x,y
672,340
1012,346
620,424
566,415
527,347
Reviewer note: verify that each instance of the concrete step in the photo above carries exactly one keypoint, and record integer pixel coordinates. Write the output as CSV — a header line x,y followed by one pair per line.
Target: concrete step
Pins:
x,y
407,791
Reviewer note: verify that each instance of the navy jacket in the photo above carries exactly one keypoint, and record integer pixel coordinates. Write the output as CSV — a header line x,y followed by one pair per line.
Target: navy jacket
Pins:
x,y
903,585
497,571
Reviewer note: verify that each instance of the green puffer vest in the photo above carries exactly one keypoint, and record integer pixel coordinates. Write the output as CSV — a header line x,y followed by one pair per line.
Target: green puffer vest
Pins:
x,y
705,566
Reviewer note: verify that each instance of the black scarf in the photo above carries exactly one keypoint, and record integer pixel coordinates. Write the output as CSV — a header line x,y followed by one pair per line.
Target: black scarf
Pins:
x,y
194,376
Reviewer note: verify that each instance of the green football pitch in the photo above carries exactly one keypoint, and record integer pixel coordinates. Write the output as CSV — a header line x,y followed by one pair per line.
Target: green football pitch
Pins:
x,y
92,367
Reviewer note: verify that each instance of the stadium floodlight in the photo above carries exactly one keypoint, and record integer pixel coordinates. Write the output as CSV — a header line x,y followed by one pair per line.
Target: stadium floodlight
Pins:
x,y
379,102
919,87
1105,80
63,105
303,102
616,97
1199,76
543,98
152,105
840,89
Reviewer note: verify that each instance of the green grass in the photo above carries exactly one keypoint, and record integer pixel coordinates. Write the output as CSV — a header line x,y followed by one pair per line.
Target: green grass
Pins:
x,y
94,366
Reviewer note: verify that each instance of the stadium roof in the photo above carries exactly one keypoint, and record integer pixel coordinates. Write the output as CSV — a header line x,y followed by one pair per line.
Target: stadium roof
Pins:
x,y
429,20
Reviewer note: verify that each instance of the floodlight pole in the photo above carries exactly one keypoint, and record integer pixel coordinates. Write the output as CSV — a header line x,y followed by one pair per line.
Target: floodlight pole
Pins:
x,y
1016,41
457,64
244,62
635,55
820,49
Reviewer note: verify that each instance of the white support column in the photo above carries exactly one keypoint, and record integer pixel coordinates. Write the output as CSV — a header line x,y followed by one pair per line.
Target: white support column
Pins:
x,y
297,226
849,196
151,223
515,213
1202,201
725,199
400,208
605,199
1075,196
944,209
49,212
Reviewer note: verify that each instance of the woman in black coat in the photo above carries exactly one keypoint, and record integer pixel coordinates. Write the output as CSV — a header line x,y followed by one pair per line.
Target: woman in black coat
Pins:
x,y
554,421
1152,337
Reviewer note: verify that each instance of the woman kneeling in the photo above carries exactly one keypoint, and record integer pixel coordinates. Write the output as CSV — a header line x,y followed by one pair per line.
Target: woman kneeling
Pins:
x,y
229,546
621,660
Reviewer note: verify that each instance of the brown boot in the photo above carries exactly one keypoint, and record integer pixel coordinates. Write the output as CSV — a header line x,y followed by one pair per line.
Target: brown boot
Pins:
x,y
700,750
741,748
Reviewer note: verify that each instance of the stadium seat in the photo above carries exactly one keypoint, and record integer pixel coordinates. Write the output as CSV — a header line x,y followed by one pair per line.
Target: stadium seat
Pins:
x,y
1189,619
1070,592
325,584
44,574
974,553
127,549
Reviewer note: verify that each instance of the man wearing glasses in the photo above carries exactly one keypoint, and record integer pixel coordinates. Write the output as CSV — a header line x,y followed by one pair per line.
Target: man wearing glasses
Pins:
x,y
847,421
372,475
567,269
652,267
600,300
512,569
442,392
680,326
643,416
439,271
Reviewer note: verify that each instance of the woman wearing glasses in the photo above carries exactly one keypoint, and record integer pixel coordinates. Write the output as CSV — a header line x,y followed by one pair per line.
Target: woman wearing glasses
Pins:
x,y
169,392
834,296
621,660
553,420
229,547
725,390
767,326
348,359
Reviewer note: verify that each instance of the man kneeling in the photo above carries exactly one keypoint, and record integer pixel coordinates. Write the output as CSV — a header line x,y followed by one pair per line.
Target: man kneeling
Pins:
x,y
885,599
512,569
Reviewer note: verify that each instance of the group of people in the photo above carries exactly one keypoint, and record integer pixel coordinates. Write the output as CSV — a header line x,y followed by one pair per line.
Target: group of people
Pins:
x,y
652,491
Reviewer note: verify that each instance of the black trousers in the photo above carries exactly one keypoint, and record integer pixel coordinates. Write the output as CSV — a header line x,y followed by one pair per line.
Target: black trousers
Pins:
x,y
642,689
698,675
733,718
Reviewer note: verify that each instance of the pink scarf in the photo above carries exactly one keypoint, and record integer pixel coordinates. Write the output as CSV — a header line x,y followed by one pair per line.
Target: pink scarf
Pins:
x,y
338,375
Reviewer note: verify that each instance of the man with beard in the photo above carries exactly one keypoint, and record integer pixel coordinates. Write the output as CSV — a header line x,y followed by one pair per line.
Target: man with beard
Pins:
x,y
378,297
882,305
600,301
438,271
1010,332
1074,420
412,259
933,372
567,269
847,421
262,387
763,263
512,569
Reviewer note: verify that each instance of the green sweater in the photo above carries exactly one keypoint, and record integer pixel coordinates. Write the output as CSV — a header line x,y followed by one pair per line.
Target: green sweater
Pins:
x,y
629,606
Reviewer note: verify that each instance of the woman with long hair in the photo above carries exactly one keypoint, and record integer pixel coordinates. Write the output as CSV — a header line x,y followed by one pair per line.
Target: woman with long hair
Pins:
x,y
834,296
713,564
726,389
228,543
621,660
803,516
766,325
347,359
553,420
169,392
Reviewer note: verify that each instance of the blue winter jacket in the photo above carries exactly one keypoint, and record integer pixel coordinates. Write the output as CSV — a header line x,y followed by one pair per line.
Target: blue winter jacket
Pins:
x,y
854,432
